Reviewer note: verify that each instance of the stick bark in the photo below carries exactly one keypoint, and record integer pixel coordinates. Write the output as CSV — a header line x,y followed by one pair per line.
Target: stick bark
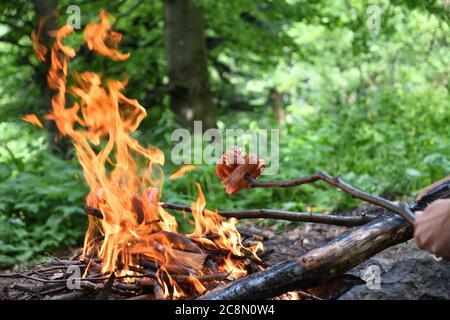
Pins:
x,y
347,221
337,182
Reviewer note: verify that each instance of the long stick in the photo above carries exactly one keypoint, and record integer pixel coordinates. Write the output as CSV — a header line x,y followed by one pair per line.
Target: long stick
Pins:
x,y
404,211
284,215
346,221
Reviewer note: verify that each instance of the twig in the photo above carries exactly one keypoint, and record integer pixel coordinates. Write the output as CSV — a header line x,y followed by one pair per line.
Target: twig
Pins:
x,y
271,214
182,277
104,293
145,274
338,183
3,297
284,215
54,290
55,258
66,263
35,289
265,253
347,221
308,295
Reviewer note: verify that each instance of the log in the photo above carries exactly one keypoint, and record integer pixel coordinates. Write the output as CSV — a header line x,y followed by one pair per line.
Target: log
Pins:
x,y
319,265
441,191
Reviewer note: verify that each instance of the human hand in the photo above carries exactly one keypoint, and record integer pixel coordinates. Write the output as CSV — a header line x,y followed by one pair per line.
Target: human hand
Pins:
x,y
432,228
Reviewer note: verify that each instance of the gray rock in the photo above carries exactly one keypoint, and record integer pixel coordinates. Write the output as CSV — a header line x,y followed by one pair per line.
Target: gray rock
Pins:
x,y
406,273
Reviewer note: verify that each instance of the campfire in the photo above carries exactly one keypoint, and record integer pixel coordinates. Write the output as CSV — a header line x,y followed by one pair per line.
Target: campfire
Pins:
x,y
133,246
131,238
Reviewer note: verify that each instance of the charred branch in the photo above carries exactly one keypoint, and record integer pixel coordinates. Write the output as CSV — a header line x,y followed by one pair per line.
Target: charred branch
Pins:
x,y
346,221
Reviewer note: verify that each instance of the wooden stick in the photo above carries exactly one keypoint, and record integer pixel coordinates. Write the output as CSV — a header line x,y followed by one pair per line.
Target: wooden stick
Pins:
x,y
346,221
93,212
308,295
337,182
284,215
35,289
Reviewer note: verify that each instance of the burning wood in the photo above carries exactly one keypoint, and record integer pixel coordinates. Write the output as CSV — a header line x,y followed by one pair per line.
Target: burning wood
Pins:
x,y
317,266
132,236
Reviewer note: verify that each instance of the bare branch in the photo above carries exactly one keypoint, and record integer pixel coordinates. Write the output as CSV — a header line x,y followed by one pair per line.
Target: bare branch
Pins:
x,y
284,215
337,182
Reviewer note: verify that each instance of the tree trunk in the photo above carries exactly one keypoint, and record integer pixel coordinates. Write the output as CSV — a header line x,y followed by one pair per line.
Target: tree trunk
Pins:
x,y
48,10
190,95
276,99
45,10
319,265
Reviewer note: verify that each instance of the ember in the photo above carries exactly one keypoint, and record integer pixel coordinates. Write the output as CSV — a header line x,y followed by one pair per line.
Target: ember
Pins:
x,y
132,240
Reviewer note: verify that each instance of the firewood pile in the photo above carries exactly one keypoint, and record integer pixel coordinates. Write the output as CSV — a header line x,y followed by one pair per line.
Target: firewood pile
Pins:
x,y
78,278
292,278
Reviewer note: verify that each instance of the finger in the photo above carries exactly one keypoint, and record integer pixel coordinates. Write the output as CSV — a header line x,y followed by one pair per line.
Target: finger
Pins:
x,y
419,242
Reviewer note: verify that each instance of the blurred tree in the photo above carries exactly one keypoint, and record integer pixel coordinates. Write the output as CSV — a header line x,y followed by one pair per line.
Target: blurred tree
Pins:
x,y
190,94
276,99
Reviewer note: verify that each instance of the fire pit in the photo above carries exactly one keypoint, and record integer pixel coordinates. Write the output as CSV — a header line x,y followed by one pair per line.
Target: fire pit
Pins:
x,y
132,242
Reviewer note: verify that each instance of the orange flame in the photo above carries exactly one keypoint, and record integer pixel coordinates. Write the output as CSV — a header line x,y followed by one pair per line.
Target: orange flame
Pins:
x,y
100,124
97,35
181,172
33,119
40,50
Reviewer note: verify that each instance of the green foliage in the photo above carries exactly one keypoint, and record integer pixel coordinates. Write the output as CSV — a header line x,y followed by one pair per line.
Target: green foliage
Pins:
x,y
370,105
41,207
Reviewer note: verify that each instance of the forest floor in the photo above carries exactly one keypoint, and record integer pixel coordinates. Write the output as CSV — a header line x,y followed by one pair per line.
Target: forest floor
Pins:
x,y
404,272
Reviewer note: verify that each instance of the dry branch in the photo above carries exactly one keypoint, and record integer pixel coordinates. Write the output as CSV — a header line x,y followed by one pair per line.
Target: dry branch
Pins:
x,y
337,182
319,265
346,221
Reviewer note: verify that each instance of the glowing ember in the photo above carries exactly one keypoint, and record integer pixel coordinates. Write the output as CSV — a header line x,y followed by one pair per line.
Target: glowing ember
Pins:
x,y
134,231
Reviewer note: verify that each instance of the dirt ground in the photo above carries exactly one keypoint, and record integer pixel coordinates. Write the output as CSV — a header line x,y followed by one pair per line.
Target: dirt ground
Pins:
x,y
401,272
